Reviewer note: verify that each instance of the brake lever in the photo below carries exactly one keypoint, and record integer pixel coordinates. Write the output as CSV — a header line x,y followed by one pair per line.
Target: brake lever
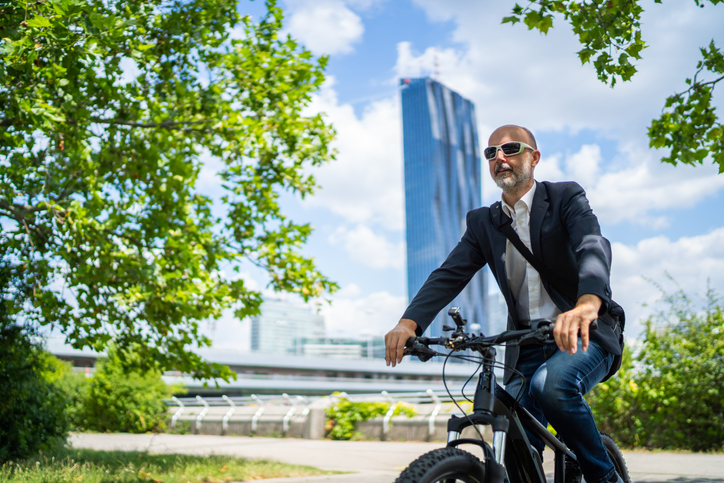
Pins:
x,y
423,352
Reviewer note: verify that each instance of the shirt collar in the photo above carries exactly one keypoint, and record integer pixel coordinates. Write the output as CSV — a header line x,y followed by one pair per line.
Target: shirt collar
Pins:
x,y
526,199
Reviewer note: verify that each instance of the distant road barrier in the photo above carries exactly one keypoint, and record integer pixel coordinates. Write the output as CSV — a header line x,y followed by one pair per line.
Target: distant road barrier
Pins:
x,y
305,416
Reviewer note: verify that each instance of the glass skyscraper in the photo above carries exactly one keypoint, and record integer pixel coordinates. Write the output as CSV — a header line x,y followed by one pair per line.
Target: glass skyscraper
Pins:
x,y
442,183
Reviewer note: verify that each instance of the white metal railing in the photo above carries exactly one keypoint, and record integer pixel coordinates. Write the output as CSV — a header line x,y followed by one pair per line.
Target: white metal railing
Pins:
x,y
264,402
229,413
203,412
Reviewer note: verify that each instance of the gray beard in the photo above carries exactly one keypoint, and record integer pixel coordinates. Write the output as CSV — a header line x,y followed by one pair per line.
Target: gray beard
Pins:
x,y
516,178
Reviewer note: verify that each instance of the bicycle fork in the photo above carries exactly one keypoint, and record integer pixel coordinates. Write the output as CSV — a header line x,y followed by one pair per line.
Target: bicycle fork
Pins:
x,y
483,405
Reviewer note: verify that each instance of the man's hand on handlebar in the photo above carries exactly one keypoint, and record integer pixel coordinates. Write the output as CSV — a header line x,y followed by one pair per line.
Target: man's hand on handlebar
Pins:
x,y
568,324
395,341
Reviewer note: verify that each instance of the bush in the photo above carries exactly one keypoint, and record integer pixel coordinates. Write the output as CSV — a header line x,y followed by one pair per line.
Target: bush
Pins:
x,y
123,399
675,400
31,408
342,416
73,385
614,404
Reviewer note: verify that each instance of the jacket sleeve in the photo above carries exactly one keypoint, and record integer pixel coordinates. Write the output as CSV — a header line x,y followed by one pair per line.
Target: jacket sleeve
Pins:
x,y
446,282
591,250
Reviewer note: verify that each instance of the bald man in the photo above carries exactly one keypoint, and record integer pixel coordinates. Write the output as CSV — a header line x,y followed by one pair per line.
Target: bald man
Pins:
x,y
556,223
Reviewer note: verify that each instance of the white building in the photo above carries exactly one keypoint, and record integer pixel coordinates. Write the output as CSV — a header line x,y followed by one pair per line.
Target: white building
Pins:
x,y
282,326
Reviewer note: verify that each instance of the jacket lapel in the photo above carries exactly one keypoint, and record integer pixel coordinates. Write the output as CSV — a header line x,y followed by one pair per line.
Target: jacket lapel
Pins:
x,y
537,213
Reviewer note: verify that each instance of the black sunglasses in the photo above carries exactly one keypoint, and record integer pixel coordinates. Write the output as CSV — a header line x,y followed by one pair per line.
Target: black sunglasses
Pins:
x,y
509,149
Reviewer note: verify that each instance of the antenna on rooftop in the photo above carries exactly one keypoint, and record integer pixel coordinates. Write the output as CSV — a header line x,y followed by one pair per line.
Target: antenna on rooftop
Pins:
x,y
435,67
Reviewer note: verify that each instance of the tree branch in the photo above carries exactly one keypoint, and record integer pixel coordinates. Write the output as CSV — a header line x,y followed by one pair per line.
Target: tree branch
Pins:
x,y
697,85
164,125
19,212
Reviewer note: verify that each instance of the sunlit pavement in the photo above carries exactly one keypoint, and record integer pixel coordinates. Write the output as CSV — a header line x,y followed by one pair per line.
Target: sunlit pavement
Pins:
x,y
378,462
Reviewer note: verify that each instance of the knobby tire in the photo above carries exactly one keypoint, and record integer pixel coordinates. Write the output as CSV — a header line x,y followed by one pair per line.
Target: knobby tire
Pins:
x,y
444,465
573,472
616,456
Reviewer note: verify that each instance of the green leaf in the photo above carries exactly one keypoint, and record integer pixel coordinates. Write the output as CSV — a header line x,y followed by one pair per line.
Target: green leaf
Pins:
x,y
39,22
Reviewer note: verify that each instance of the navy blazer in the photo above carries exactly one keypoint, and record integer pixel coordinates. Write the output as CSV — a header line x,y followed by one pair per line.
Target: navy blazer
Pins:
x,y
565,236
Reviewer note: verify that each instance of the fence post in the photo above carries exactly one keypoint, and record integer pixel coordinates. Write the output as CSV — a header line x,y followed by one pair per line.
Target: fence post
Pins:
x,y
225,421
388,416
259,412
434,413
290,413
177,414
201,415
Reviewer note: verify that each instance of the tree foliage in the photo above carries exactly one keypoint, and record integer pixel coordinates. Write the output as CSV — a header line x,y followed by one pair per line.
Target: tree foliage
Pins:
x,y
610,32
675,396
109,112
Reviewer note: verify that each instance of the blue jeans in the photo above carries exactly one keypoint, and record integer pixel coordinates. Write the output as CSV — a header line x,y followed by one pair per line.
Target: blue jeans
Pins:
x,y
556,383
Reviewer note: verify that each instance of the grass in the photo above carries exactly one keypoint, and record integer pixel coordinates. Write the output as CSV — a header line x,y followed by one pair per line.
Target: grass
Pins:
x,y
71,465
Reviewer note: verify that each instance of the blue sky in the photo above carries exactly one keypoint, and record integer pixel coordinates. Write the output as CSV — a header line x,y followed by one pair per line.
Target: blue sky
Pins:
x,y
659,218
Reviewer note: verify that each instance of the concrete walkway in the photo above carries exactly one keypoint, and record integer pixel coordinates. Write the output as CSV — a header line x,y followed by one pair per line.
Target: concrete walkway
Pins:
x,y
378,462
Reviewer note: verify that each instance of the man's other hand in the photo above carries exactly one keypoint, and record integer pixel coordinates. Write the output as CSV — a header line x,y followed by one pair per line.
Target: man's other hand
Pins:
x,y
568,324
395,340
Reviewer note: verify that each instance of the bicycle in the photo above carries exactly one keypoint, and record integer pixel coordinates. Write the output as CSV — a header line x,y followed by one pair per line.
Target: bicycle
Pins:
x,y
511,453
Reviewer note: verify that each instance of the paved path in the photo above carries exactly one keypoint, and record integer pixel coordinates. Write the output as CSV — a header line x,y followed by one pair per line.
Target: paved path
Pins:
x,y
378,462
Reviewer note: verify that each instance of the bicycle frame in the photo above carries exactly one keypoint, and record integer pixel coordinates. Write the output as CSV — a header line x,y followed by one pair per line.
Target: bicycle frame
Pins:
x,y
493,406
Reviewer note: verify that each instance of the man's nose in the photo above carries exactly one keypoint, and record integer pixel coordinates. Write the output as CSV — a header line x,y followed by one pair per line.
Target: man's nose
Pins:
x,y
499,156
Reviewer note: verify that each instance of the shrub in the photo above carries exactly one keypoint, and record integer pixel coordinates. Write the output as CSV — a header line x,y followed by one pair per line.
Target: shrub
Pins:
x,y
614,404
675,400
124,399
74,387
342,416
31,408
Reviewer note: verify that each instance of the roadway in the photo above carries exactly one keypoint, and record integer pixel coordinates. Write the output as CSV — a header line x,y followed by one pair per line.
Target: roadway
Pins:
x,y
379,462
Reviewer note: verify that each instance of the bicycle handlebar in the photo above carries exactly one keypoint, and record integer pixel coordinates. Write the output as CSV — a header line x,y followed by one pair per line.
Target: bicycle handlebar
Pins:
x,y
541,330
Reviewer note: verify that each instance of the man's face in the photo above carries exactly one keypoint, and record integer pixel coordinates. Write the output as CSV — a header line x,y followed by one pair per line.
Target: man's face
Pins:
x,y
511,172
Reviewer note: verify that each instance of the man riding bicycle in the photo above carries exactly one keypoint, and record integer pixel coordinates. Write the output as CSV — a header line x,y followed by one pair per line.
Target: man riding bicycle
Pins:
x,y
555,222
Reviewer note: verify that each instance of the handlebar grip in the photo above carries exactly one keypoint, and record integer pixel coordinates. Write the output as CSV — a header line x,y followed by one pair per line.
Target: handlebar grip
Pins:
x,y
410,342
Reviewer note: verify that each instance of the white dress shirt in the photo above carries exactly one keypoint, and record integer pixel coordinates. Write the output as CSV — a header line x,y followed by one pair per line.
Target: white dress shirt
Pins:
x,y
531,299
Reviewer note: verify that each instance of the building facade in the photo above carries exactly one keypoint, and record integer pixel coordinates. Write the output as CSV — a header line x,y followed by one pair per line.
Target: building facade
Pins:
x,y
442,183
282,326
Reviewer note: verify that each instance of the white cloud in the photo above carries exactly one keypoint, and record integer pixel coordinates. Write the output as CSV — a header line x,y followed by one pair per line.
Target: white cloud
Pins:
x,y
520,76
583,166
644,186
368,248
373,315
365,184
691,261
325,26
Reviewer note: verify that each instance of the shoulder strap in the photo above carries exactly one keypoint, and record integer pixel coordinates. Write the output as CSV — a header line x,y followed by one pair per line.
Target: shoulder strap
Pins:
x,y
504,223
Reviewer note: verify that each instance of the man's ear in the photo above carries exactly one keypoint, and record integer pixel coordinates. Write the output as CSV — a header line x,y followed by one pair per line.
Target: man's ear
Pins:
x,y
535,158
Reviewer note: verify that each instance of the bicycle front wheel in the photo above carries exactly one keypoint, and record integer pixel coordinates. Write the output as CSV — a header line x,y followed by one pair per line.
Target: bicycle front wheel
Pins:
x,y
615,454
444,465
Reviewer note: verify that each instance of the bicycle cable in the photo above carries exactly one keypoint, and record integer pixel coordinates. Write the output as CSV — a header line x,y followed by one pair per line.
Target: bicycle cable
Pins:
x,y
444,381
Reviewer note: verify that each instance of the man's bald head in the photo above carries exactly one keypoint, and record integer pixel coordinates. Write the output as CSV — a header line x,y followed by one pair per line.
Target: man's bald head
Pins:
x,y
519,133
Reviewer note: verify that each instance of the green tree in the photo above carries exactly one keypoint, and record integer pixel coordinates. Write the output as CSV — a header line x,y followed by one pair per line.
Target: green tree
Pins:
x,y
611,35
109,110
